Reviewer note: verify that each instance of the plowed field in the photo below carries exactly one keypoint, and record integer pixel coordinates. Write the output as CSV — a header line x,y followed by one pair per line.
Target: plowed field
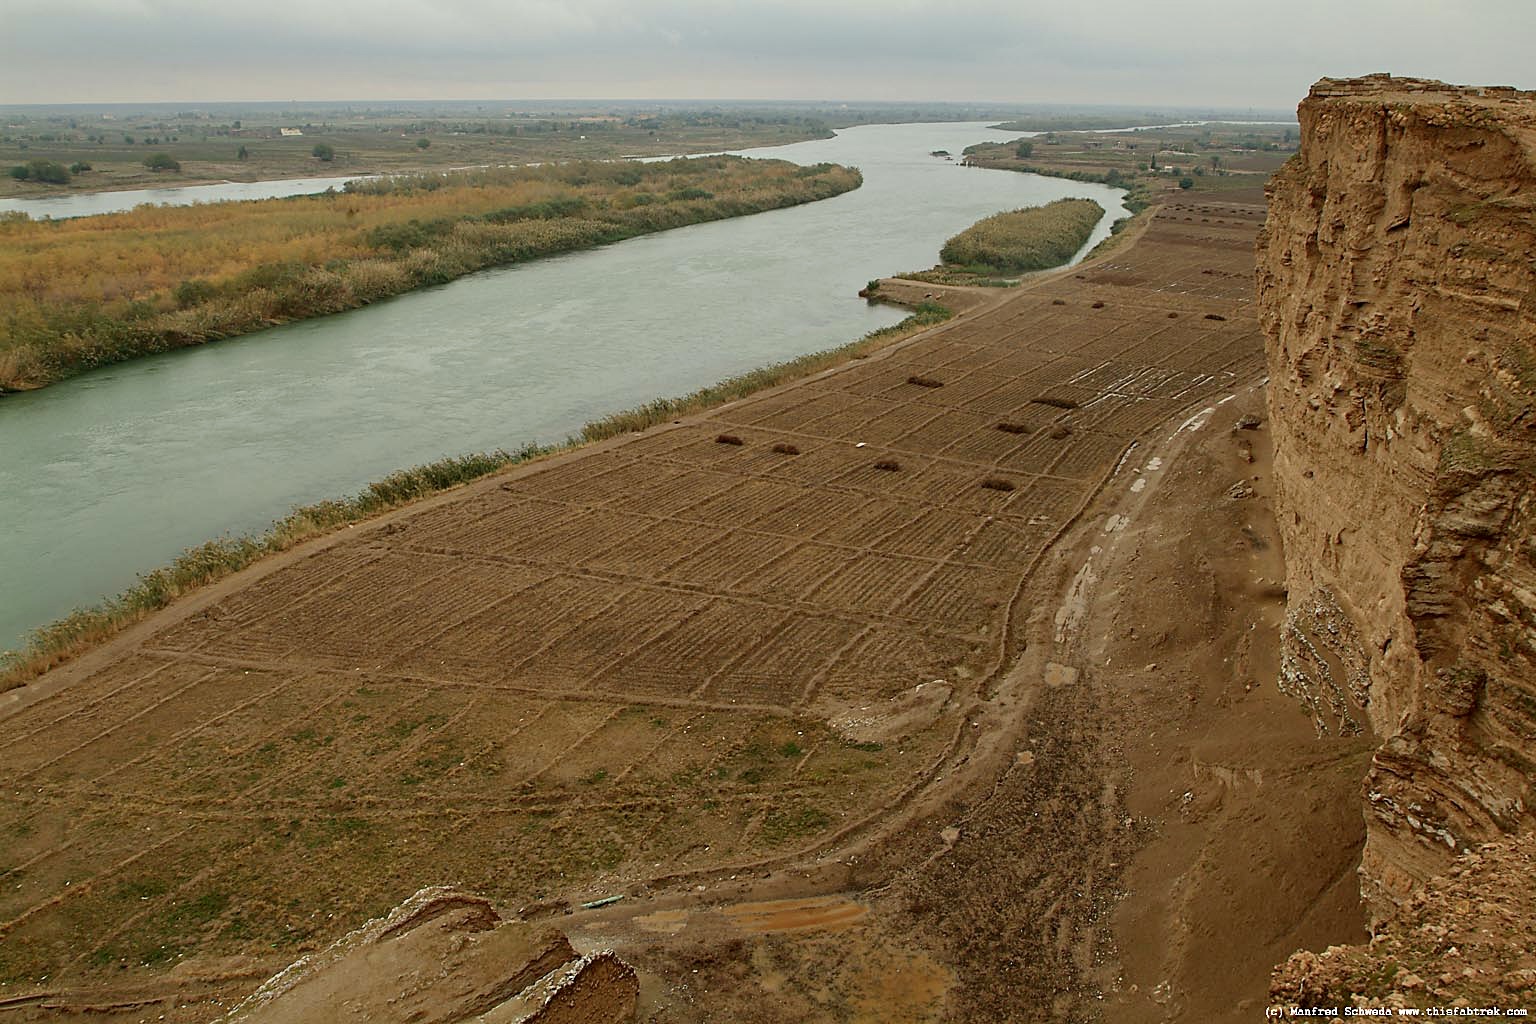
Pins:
x,y
662,655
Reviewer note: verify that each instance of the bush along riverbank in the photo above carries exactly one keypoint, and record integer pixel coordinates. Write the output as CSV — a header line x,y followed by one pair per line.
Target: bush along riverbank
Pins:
x,y
86,292
85,628
997,249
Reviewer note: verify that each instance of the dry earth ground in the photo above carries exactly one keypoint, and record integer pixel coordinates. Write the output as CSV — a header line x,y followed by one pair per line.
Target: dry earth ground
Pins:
x,y
831,658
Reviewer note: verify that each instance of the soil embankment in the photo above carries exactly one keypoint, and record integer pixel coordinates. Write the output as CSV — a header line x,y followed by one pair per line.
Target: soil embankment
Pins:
x,y
833,641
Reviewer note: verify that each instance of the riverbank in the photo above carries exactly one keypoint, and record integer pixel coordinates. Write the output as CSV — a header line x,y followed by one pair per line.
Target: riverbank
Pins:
x,y
102,478
79,295
60,642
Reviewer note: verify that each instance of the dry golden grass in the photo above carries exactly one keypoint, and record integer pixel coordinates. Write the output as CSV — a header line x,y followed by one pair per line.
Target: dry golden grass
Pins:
x,y
88,291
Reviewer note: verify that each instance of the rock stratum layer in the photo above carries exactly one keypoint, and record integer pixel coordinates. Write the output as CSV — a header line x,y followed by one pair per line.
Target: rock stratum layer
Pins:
x,y
1397,283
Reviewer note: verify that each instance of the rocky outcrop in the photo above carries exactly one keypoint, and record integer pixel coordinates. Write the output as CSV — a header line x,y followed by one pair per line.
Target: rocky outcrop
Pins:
x,y
446,957
1465,939
1397,284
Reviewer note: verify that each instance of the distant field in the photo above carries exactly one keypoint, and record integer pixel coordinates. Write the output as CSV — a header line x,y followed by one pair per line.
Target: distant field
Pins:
x,y
209,149
207,143
81,293
1211,157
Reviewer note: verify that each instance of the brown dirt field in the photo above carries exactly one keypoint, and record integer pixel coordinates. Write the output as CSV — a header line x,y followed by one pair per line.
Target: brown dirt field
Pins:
x,y
702,674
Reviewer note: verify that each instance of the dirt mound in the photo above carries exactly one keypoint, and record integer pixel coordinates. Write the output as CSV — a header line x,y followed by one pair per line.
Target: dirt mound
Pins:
x,y
445,956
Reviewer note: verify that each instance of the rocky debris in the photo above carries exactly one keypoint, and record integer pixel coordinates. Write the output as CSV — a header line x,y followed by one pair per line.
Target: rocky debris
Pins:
x,y
1466,938
901,715
1248,422
595,989
444,957
1398,300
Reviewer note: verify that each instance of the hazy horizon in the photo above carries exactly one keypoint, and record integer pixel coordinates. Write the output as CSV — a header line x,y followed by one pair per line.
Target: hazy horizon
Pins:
x,y
1176,54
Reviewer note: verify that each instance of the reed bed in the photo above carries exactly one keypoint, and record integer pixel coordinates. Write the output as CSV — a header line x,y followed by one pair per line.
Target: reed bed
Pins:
x,y
1020,241
80,293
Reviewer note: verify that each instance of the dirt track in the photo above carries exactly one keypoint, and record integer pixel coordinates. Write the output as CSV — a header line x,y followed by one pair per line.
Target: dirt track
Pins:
x,y
659,663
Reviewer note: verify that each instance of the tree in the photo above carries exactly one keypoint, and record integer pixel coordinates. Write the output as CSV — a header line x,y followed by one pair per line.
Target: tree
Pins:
x,y
242,153
47,171
1025,150
323,151
79,167
423,143
1186,183
158,162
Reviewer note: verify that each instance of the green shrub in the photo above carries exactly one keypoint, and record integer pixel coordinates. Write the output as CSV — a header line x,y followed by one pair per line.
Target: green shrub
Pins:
x,y
162,162
49,172
193,292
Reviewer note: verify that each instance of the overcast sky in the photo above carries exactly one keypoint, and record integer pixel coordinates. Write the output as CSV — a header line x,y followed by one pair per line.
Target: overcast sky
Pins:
x,y
1140,52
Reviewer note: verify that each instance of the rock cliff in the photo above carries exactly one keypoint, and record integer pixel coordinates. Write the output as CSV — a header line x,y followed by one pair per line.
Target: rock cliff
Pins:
x,y
1397,286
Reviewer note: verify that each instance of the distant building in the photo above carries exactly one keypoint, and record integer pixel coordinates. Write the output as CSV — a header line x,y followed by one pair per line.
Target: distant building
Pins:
x,y
290,132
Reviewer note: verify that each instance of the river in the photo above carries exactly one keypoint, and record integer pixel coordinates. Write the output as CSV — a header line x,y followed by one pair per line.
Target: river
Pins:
x,y
89,204
114,472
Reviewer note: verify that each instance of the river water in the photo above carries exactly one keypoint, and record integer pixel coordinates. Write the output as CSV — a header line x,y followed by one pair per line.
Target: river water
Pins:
x,y
113,473
88,204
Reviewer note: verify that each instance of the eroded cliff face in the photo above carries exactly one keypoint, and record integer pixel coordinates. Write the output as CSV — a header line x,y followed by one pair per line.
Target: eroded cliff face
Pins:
x,y
1397,286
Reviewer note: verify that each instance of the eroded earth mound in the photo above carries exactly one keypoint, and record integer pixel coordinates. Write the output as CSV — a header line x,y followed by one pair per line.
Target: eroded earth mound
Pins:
x,y
444,957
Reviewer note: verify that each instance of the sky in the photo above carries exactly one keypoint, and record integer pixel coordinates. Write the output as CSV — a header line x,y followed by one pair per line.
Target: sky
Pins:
x,y
1145,53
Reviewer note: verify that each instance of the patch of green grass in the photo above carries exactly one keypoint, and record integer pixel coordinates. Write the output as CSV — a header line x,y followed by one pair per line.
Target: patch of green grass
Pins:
x,y
196,912
314,835
140,889
790,749
105,956
785,825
